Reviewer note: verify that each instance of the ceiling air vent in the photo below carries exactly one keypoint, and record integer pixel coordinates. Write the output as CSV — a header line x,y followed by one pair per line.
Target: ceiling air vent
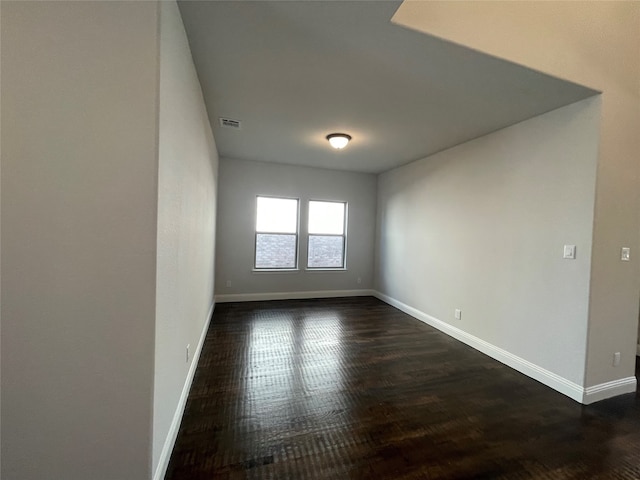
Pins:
x,y
229,123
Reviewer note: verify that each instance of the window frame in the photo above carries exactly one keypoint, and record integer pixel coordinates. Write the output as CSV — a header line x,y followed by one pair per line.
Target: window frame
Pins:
x,y
344,233
256,233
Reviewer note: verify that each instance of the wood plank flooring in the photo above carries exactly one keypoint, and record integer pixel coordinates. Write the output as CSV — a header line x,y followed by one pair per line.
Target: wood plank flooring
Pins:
x,y
355,389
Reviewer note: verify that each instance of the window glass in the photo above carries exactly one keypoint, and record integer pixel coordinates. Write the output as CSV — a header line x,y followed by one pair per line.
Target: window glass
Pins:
x,y
277,215
326,217
326,251
276,233
275,251
326,243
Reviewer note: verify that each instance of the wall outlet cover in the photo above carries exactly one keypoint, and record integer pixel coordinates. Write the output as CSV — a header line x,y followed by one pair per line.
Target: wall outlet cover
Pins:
x,y
625,254
570,252
616,359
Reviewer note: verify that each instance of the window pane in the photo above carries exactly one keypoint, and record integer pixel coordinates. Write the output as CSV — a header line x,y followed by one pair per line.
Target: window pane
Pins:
x,y
325,252
275,251
277,215
326,217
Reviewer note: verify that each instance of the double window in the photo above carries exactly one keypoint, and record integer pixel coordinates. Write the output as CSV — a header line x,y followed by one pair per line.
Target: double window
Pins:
x,y
276,244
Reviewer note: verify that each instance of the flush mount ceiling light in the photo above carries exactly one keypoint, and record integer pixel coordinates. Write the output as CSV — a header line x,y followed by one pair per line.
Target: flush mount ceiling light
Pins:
x,y
338,140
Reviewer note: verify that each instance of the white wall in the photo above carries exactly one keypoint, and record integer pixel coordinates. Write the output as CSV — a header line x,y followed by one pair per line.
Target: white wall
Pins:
x,y
240,183
186,229
79,196
595,44
481,227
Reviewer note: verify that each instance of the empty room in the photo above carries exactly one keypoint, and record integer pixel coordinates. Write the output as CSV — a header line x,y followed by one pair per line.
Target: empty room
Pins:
x,y
319,240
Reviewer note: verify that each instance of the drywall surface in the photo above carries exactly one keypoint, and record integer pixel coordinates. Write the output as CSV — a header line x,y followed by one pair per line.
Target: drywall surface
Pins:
x,y
481,228
186,222
596,44
241,181
0,239
79,195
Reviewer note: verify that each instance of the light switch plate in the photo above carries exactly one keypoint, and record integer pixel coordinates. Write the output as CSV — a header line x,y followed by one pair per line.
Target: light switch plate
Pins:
x,y
570,251
625,254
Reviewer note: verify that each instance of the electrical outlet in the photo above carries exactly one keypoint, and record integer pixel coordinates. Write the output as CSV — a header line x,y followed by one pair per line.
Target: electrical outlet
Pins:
x,y
228,283
625,254
457,314
188,356
359,280
570,252
616,359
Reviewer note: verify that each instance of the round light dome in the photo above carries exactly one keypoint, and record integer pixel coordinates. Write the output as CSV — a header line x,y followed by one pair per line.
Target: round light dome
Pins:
x,y
338,140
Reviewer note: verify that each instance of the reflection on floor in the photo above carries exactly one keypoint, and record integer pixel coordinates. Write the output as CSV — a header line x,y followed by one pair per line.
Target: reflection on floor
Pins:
x,y
355,389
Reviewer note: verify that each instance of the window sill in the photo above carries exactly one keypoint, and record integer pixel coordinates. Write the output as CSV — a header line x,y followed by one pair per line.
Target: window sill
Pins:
x,y
295,270
326,269
275,270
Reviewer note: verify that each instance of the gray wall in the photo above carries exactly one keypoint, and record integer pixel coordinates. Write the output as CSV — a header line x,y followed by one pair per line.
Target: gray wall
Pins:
x,y
241,181
0,235
188,164
481,227
79,197
595,44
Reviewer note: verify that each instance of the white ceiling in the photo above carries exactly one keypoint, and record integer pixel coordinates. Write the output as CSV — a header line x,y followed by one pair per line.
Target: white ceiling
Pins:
x,y
294,71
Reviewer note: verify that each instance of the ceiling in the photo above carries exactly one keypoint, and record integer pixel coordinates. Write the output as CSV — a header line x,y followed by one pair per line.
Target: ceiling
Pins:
x,y
294,71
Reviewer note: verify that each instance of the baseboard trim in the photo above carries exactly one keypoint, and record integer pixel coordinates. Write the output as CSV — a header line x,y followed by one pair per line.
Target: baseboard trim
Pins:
x,y
542,375
609,389
253,297
170,441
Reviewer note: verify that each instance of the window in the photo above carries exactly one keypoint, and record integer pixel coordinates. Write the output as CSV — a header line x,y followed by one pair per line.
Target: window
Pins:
x,y
276,233
326,234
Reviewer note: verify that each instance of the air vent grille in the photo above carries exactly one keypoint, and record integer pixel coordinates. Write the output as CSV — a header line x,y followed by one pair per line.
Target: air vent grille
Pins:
x,y
229,123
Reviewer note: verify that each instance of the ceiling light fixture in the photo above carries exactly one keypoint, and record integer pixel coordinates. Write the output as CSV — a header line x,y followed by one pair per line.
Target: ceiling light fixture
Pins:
x,y
338,140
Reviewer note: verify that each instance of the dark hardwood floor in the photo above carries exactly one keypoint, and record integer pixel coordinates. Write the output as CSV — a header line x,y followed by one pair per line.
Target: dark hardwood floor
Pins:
x,y
355,389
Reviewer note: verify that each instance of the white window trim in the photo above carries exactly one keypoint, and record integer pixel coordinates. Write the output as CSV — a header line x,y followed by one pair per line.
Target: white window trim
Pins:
x,y
343,268
256,232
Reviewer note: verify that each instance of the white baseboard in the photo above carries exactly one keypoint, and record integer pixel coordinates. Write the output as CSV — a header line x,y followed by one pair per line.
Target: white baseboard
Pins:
x,y
550,379
609,389
252,297
170,441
